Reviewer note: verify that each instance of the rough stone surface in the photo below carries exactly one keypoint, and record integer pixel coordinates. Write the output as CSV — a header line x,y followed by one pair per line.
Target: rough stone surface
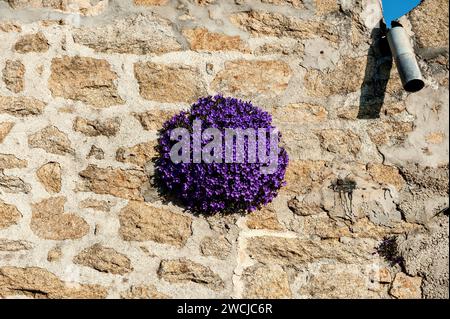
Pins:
x,y
244,78
113,181
8,161
21,106
98,205
260,23
218,247
294,252
138,154
5,128
426,256
50,176
52,140
266,282
104,259
72,78
143,292
406,287
34,282
153,120
49,221
32,43
139,34
107,127
9,215
13,75
141,222
338,282
14,245
327,83
54,254
204,40
185,270
265,218
422,24
83,7
13,184
169,83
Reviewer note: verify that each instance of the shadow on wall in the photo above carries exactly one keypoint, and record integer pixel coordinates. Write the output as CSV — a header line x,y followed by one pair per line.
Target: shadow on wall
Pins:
x,y
378,70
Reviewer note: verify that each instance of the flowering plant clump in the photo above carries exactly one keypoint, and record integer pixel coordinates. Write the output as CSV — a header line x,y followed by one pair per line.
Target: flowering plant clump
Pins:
x,y
238,183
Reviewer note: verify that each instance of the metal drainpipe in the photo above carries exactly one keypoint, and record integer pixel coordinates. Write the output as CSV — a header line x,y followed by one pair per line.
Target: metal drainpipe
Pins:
x,y
405,58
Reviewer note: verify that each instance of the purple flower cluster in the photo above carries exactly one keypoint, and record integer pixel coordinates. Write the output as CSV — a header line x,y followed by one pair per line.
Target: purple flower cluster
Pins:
x,y
219,187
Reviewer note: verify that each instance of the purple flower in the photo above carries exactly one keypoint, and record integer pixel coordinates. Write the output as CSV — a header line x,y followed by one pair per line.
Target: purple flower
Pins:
x,y
220,187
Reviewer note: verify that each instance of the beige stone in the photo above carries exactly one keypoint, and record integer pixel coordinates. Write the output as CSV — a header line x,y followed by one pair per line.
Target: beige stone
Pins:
x,y
435,137
10,26
13,184
154,119
294,3
96,152
386,175
14,245
104,259
39,283
201,39
96,204
266,282
260,23
389,132
430,23
141,222
364,228
143,292
303,207
251,78
54,254
72,78
265,218
184,271
216,246
406,287
300,113
330,82
13,75
324,7
5,128
52,140
8,161
284,47
169,83
324,227
296,252
150,2
107,127
9,215
50,177
302,176
36,42
341,142
123,183
334,281
138,154
135,34
49,221
21,106
83,7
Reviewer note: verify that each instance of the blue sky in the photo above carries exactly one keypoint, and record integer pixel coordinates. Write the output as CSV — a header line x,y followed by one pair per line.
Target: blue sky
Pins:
x,y
394,9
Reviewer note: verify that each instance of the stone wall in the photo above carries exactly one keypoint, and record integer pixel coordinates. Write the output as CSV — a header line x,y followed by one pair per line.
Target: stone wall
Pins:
x,y
85,85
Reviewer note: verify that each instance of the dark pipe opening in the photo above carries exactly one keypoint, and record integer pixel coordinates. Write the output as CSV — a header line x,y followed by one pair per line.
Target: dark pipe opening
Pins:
x,y
414,85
